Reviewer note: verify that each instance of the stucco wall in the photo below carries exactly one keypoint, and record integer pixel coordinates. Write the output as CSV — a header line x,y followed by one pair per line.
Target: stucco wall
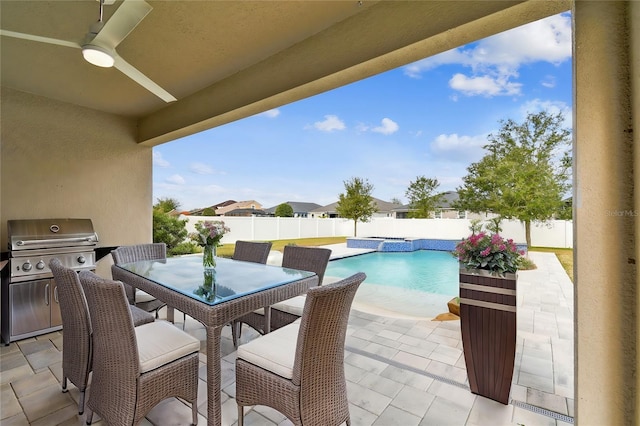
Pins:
x,y
605,268
61,160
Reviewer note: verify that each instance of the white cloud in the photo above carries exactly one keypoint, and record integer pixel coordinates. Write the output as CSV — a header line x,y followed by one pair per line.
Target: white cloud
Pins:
x,y
544,40
549,81
459,148
453,56
484,85
455,142
547,40
159,161
330,123
272,113
388,127
176,180
361,127
201,169
499,57
552,107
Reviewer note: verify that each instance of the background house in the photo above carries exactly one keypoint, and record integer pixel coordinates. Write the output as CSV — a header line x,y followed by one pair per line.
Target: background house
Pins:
x,y
385,209
300,209
445,209
245,212
238,205
204,210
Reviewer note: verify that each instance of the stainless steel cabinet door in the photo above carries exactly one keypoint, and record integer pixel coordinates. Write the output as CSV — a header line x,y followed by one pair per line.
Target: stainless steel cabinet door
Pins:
x,y
56,317
30,303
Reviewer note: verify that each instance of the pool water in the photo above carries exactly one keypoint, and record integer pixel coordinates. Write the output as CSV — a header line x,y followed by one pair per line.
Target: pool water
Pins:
x,y
423,270
417,283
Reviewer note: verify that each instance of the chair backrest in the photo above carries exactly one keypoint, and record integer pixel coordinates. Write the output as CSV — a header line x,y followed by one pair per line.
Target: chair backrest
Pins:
x,y
314,259
252,251
127,254
319,362
116,364
76,322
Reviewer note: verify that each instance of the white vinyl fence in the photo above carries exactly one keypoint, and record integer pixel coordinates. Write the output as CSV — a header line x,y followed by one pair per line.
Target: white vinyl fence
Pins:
x,y
556,233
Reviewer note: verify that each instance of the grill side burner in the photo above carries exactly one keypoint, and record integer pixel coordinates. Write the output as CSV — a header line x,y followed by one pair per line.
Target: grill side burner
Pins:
x,y
29,292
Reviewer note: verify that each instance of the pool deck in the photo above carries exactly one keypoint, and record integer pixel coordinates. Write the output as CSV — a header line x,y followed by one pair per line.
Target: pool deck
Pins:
x,y
399,371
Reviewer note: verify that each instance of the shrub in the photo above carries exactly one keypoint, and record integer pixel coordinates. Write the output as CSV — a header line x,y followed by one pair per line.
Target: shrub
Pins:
x,y
186,247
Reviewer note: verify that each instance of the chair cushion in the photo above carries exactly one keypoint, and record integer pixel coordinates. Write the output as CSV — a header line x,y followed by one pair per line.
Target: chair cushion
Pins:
x,y
142,297
294,306
275,351
161,342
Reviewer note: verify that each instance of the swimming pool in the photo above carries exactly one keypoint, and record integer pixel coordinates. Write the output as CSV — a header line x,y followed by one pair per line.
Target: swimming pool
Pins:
x,y
417,283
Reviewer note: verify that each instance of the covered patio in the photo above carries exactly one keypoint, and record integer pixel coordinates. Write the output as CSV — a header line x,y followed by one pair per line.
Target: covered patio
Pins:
x,y
77,141
399,371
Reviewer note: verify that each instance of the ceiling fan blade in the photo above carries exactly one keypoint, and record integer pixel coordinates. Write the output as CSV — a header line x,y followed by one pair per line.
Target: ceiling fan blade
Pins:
x,y
144,81
123,21
40,39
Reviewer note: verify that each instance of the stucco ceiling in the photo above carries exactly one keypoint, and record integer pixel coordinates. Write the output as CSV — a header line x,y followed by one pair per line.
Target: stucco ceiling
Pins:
x,y
224,60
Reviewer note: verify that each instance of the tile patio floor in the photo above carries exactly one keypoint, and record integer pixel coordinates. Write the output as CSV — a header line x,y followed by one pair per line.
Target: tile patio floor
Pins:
x,y
399,371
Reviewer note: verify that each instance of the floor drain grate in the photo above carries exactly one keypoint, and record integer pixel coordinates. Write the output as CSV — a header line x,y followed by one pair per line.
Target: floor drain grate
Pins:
x,y
543,411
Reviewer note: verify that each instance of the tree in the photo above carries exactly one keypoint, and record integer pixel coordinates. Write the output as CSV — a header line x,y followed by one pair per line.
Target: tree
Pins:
x,y
396,200
422,200
525,173
357,203
284,210
167,204
168,229
208,212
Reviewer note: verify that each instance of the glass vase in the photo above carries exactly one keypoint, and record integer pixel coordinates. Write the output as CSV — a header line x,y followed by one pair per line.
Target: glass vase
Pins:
x,y
209,256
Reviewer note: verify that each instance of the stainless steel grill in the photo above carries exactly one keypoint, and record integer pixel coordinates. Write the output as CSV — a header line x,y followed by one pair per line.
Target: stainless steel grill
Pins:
x,y
29,293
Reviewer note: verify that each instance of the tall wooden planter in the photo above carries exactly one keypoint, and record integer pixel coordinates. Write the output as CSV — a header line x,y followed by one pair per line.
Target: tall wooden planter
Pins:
x,y
488,323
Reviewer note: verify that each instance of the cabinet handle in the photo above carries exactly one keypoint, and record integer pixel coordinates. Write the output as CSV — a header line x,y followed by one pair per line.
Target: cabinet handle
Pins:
x,y
46,295
55,294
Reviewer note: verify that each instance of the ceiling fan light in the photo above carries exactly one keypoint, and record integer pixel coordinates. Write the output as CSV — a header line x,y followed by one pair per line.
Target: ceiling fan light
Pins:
x,y
97,56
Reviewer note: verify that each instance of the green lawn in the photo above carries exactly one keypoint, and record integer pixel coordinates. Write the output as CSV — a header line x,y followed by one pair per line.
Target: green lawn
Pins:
x,y
227,249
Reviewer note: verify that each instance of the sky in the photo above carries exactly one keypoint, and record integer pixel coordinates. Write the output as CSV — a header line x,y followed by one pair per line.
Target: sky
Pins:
x,y
430,118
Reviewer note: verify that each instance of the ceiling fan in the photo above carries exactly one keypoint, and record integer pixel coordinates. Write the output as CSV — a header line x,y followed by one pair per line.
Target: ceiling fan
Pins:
x,y
99,45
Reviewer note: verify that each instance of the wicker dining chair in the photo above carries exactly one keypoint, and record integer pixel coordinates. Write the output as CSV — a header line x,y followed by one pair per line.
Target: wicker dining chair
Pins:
x,y
76,325
313,259
299,369
135,368
134,253
252,251
248,251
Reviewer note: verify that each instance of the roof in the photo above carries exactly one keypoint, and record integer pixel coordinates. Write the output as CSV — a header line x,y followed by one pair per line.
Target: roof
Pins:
x,y
448,198
383,206
298,207
245,212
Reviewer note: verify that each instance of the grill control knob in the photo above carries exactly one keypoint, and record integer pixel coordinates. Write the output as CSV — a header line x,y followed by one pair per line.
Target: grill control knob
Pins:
x,y
40,265
81,259
26,266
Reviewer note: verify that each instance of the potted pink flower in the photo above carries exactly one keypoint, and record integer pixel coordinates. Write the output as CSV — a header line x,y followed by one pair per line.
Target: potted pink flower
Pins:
x,y
488,278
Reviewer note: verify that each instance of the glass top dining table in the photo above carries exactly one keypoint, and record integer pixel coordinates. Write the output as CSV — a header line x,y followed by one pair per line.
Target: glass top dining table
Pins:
x,y
214,297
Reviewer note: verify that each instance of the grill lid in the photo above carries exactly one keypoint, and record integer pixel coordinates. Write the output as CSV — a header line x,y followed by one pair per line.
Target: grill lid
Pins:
x,y
31,234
